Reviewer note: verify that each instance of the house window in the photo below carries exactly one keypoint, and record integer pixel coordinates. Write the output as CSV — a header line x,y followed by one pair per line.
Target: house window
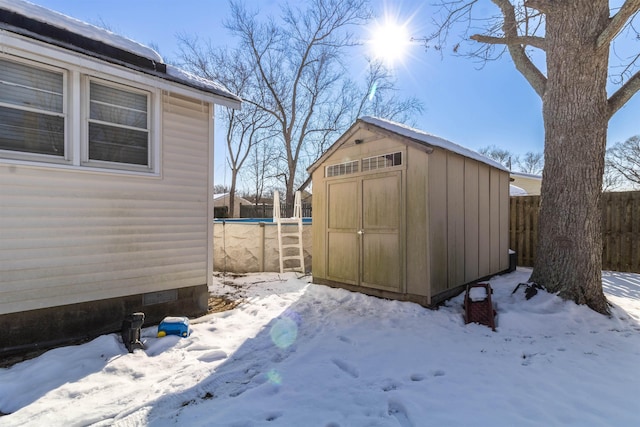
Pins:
x,y
32,113
381,162
342,169
118,130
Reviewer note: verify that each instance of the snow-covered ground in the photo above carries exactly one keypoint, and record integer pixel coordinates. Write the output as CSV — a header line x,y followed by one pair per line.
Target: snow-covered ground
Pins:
x,y
297,354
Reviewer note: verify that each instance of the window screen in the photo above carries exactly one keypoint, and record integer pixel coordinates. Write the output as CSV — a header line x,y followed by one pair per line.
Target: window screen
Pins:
x,y
118,125
342,169
31,109
381,162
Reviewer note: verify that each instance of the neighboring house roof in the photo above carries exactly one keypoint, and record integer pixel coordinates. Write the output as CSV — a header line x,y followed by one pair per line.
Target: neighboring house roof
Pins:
x,y
238,199
45,25
416,135
526,175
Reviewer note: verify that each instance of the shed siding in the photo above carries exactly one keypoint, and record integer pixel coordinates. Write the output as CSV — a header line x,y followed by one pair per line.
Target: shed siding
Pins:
x,y
319,225
72,236
484,221
455,219
467,218
471,220
504,219
494,221
438,212
416,223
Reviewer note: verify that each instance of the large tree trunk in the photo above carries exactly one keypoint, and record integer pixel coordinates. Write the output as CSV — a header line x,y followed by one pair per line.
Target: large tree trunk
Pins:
x,y
290,197
232,194
569,254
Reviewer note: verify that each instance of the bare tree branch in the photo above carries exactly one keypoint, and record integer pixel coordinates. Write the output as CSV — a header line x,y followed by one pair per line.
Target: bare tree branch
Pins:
x,y
617,23
624,94
536,79
538,42
540,5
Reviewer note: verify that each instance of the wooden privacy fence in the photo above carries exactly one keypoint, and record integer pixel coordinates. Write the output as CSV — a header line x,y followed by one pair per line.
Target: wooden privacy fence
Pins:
x,y
620,230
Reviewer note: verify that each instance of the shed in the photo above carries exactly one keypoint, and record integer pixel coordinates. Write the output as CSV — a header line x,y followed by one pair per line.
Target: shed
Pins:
x,y
402,214
106,165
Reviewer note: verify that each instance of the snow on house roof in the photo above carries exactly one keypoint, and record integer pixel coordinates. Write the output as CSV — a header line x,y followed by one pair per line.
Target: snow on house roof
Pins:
x,y
52,27
514,190
73,25
526,175
429,140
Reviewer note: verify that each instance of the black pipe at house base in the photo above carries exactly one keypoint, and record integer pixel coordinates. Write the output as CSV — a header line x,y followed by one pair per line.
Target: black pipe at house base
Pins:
x,y
131,331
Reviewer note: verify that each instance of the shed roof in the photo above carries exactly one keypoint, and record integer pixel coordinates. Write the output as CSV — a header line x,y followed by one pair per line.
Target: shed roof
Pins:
x,y
430,140
46,25
415,135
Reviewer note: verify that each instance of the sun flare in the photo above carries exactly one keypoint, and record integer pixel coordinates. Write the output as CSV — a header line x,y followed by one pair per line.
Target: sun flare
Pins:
x,y
389,41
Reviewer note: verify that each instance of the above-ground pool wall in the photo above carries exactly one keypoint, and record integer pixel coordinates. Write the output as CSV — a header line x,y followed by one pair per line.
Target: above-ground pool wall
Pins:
x,y
241,247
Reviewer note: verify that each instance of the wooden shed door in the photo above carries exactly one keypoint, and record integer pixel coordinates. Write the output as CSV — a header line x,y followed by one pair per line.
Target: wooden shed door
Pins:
x,y
381,254
363,233
342,228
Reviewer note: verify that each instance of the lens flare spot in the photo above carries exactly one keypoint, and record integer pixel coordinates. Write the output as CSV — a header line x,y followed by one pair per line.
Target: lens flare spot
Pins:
x,y
284,332
372,92
274,377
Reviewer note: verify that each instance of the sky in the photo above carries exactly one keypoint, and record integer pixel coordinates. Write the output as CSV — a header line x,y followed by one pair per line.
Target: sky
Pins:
x,y
297,354
469,106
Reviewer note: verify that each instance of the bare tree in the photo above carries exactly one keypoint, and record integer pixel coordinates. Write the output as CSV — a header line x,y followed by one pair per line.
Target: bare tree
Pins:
x,y
378,96
500,155
611,180
531,163
575,39
220,189
245,128
624,159
298,69
261,169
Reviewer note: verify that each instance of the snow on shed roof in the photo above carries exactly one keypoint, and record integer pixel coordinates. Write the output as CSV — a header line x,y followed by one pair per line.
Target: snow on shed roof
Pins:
x,y
46,25
429,140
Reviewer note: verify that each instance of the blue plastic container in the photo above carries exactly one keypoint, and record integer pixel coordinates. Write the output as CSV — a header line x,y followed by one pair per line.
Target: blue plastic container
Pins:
x,y
174,326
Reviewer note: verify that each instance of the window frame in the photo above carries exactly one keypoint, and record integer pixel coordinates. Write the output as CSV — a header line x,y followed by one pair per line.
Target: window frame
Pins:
x,y
384,158
340,169
152,124
75,105
66,158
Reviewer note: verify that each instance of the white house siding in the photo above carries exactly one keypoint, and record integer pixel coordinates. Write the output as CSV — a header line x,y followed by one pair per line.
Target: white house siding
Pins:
x,y
69,236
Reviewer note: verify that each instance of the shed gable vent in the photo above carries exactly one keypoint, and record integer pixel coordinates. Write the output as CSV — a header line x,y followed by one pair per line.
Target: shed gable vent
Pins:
x,y
342,169
381,162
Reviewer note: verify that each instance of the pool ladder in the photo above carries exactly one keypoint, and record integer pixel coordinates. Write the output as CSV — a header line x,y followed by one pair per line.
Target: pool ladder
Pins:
x,y
290,247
